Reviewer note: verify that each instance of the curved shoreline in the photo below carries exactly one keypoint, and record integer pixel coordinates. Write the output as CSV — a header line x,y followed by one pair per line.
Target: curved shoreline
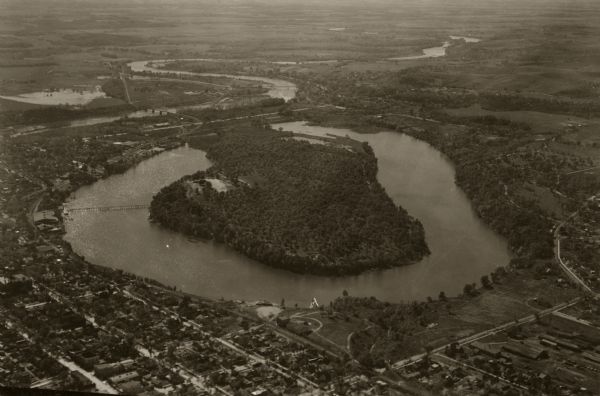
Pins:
x,y
296,178
282,89
436,52
457,238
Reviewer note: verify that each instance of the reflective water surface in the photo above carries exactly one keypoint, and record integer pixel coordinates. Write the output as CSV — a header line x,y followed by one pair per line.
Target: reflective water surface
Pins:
x,y
414,174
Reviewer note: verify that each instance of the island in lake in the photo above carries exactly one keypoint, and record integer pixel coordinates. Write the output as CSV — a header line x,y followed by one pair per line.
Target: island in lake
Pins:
x,y
304,204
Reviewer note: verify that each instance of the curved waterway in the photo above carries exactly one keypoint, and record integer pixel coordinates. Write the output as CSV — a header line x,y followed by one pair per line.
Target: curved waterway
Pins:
x,y
277,88
283,89
436,52
415,175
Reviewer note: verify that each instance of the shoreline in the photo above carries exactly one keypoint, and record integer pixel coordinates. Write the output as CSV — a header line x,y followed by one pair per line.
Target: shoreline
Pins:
x,y
351,282
275,252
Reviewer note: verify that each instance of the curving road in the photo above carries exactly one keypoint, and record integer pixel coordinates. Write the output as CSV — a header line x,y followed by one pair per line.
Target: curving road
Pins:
x,y
568,271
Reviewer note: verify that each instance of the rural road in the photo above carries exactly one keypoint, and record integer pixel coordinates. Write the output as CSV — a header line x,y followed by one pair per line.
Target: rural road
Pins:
x,y
505,326
568,271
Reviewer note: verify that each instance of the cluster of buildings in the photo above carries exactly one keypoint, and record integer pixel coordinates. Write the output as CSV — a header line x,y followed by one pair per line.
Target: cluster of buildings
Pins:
x,y
67,324
137,152
103,331
556,354
23,363
580,244
310,365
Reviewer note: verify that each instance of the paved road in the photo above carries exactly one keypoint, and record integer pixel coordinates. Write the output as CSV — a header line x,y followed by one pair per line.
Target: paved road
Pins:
x,y
195,379
123,78
187,81
486,333
568,271
574,319
408,116
251,356
445,360
100,385
582,170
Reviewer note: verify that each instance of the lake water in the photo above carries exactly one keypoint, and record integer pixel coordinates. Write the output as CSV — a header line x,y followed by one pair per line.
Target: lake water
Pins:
x,y
62,96
415,175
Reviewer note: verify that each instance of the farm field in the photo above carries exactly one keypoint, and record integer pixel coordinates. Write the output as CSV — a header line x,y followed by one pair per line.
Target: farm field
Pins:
x,y
447,241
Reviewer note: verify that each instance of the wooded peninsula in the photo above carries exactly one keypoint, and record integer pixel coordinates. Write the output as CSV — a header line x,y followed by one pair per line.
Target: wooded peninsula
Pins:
x,y
307,205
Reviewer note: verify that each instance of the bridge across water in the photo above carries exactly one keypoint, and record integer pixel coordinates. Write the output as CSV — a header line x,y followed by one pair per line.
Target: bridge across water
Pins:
x,y
106,208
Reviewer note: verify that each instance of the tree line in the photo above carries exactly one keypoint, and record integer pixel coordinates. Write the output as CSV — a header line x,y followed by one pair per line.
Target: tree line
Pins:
x,y
307,208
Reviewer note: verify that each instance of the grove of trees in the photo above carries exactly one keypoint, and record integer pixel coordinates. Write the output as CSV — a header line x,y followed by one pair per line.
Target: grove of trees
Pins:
x,y
308,208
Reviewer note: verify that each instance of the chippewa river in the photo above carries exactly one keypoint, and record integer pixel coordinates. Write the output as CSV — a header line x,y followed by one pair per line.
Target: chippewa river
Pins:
x,y
415,175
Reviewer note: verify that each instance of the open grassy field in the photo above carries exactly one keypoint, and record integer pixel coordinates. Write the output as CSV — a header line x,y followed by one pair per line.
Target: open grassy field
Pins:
x,y
571,128
516,108
517,297
66,43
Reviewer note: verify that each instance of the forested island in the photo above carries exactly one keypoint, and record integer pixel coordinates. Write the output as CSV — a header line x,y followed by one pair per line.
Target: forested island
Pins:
x,y
311,207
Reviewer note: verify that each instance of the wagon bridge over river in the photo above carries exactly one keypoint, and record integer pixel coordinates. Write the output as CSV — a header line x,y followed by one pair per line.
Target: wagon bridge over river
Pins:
x,y
105,208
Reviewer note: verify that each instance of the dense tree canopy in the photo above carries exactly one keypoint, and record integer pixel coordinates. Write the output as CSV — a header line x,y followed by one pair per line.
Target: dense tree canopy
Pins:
x,y
308,208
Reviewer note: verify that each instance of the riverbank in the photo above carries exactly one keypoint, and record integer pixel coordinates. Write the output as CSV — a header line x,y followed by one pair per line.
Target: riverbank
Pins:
x,y
128,241
436,324
277,89
275,212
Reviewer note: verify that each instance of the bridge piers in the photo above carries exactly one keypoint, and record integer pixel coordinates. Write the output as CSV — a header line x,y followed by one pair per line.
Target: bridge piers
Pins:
x,y
106,208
